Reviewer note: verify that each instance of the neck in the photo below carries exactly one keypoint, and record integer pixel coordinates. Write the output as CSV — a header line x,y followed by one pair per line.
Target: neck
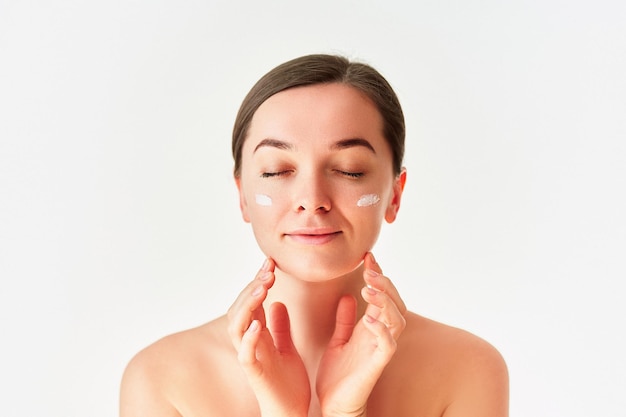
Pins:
x,y
312,308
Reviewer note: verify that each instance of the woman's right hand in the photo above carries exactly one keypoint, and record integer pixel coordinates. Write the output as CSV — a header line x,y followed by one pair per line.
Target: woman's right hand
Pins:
x,y
266,351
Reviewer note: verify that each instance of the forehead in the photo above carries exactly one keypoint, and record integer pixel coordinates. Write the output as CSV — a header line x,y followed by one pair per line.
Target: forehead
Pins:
x,y
320,114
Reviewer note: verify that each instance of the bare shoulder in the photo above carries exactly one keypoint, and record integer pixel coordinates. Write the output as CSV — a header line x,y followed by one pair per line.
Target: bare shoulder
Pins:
x,y
458,346
453,372
156,381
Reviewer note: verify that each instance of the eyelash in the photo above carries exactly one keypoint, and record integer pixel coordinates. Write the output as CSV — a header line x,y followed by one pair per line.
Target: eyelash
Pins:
x,y
282,173
352,174
273,174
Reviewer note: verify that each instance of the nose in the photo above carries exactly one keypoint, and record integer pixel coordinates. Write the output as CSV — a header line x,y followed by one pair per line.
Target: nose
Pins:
x,y
312,194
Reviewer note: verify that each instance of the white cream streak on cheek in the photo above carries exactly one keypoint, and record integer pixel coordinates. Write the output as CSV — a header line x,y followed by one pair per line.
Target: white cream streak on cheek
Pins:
x,y
263,200
368,200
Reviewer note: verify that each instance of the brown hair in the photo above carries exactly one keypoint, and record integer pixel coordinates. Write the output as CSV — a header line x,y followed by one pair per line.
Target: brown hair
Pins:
x,y
319,69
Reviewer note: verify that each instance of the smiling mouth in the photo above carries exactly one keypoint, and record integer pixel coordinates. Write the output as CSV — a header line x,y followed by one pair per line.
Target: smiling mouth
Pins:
x,y
315,238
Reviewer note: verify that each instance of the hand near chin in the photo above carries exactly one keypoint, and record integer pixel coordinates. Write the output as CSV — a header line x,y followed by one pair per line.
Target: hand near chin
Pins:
x,y
358,352
266,352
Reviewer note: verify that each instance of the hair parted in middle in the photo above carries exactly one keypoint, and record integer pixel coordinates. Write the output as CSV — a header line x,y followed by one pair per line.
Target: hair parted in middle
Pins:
x,y
320,69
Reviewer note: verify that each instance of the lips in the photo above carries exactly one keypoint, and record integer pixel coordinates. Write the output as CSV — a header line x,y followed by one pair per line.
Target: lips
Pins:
x,y
313,236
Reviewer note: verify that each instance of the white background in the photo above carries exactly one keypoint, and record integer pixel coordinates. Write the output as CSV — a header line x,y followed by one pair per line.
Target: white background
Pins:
x,y
119,221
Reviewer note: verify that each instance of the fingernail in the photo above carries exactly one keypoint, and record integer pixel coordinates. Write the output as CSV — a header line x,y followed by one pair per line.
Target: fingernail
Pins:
x,y
370,318
265,276
257,291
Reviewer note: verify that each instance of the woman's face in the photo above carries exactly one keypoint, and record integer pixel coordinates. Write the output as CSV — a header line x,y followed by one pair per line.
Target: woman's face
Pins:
x,y
317,179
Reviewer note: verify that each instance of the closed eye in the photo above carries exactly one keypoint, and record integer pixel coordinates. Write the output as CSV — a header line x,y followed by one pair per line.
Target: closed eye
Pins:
x,y
351,174
274,174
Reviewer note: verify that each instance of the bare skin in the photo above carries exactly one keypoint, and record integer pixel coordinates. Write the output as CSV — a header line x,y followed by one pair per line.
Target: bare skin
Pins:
x,y
436,370
320,331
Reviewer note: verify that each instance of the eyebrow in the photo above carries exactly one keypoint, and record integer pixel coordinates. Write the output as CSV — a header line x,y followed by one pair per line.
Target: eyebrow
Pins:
x,y
350,143
342,144
274,143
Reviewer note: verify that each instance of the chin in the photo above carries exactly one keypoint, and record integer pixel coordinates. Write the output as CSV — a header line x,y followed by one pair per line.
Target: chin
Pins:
x,y
316,268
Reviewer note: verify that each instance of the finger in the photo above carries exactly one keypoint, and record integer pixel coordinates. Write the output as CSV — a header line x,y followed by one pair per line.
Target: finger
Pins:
x,y
280,328
264,278
249,304
382,308
345,321
247,349
247,307
371,263
385,343
374,278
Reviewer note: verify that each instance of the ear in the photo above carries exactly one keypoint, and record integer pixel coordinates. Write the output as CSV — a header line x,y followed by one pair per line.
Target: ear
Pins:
x,y
394,205
243,203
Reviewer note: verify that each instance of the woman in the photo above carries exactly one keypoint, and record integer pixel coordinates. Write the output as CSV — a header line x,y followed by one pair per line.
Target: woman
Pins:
x,y
320,331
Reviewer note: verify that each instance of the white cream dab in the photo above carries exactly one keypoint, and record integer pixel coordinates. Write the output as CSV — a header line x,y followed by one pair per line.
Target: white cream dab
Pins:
x,y
368,200
263,200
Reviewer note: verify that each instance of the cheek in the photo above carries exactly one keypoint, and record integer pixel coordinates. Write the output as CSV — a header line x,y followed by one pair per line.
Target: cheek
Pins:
x,y
363,208
263,200
265,207
367,209
263,196
367,200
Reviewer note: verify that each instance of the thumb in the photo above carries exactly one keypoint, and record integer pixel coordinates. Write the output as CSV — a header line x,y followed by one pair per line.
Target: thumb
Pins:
x,y
280,328
345,321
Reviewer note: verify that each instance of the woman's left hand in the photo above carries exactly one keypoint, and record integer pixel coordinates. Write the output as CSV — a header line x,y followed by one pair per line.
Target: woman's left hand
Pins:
x,y
358,352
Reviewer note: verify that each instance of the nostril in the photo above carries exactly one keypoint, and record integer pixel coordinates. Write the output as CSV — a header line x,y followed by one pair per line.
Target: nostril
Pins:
x,y
323,208
317,204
